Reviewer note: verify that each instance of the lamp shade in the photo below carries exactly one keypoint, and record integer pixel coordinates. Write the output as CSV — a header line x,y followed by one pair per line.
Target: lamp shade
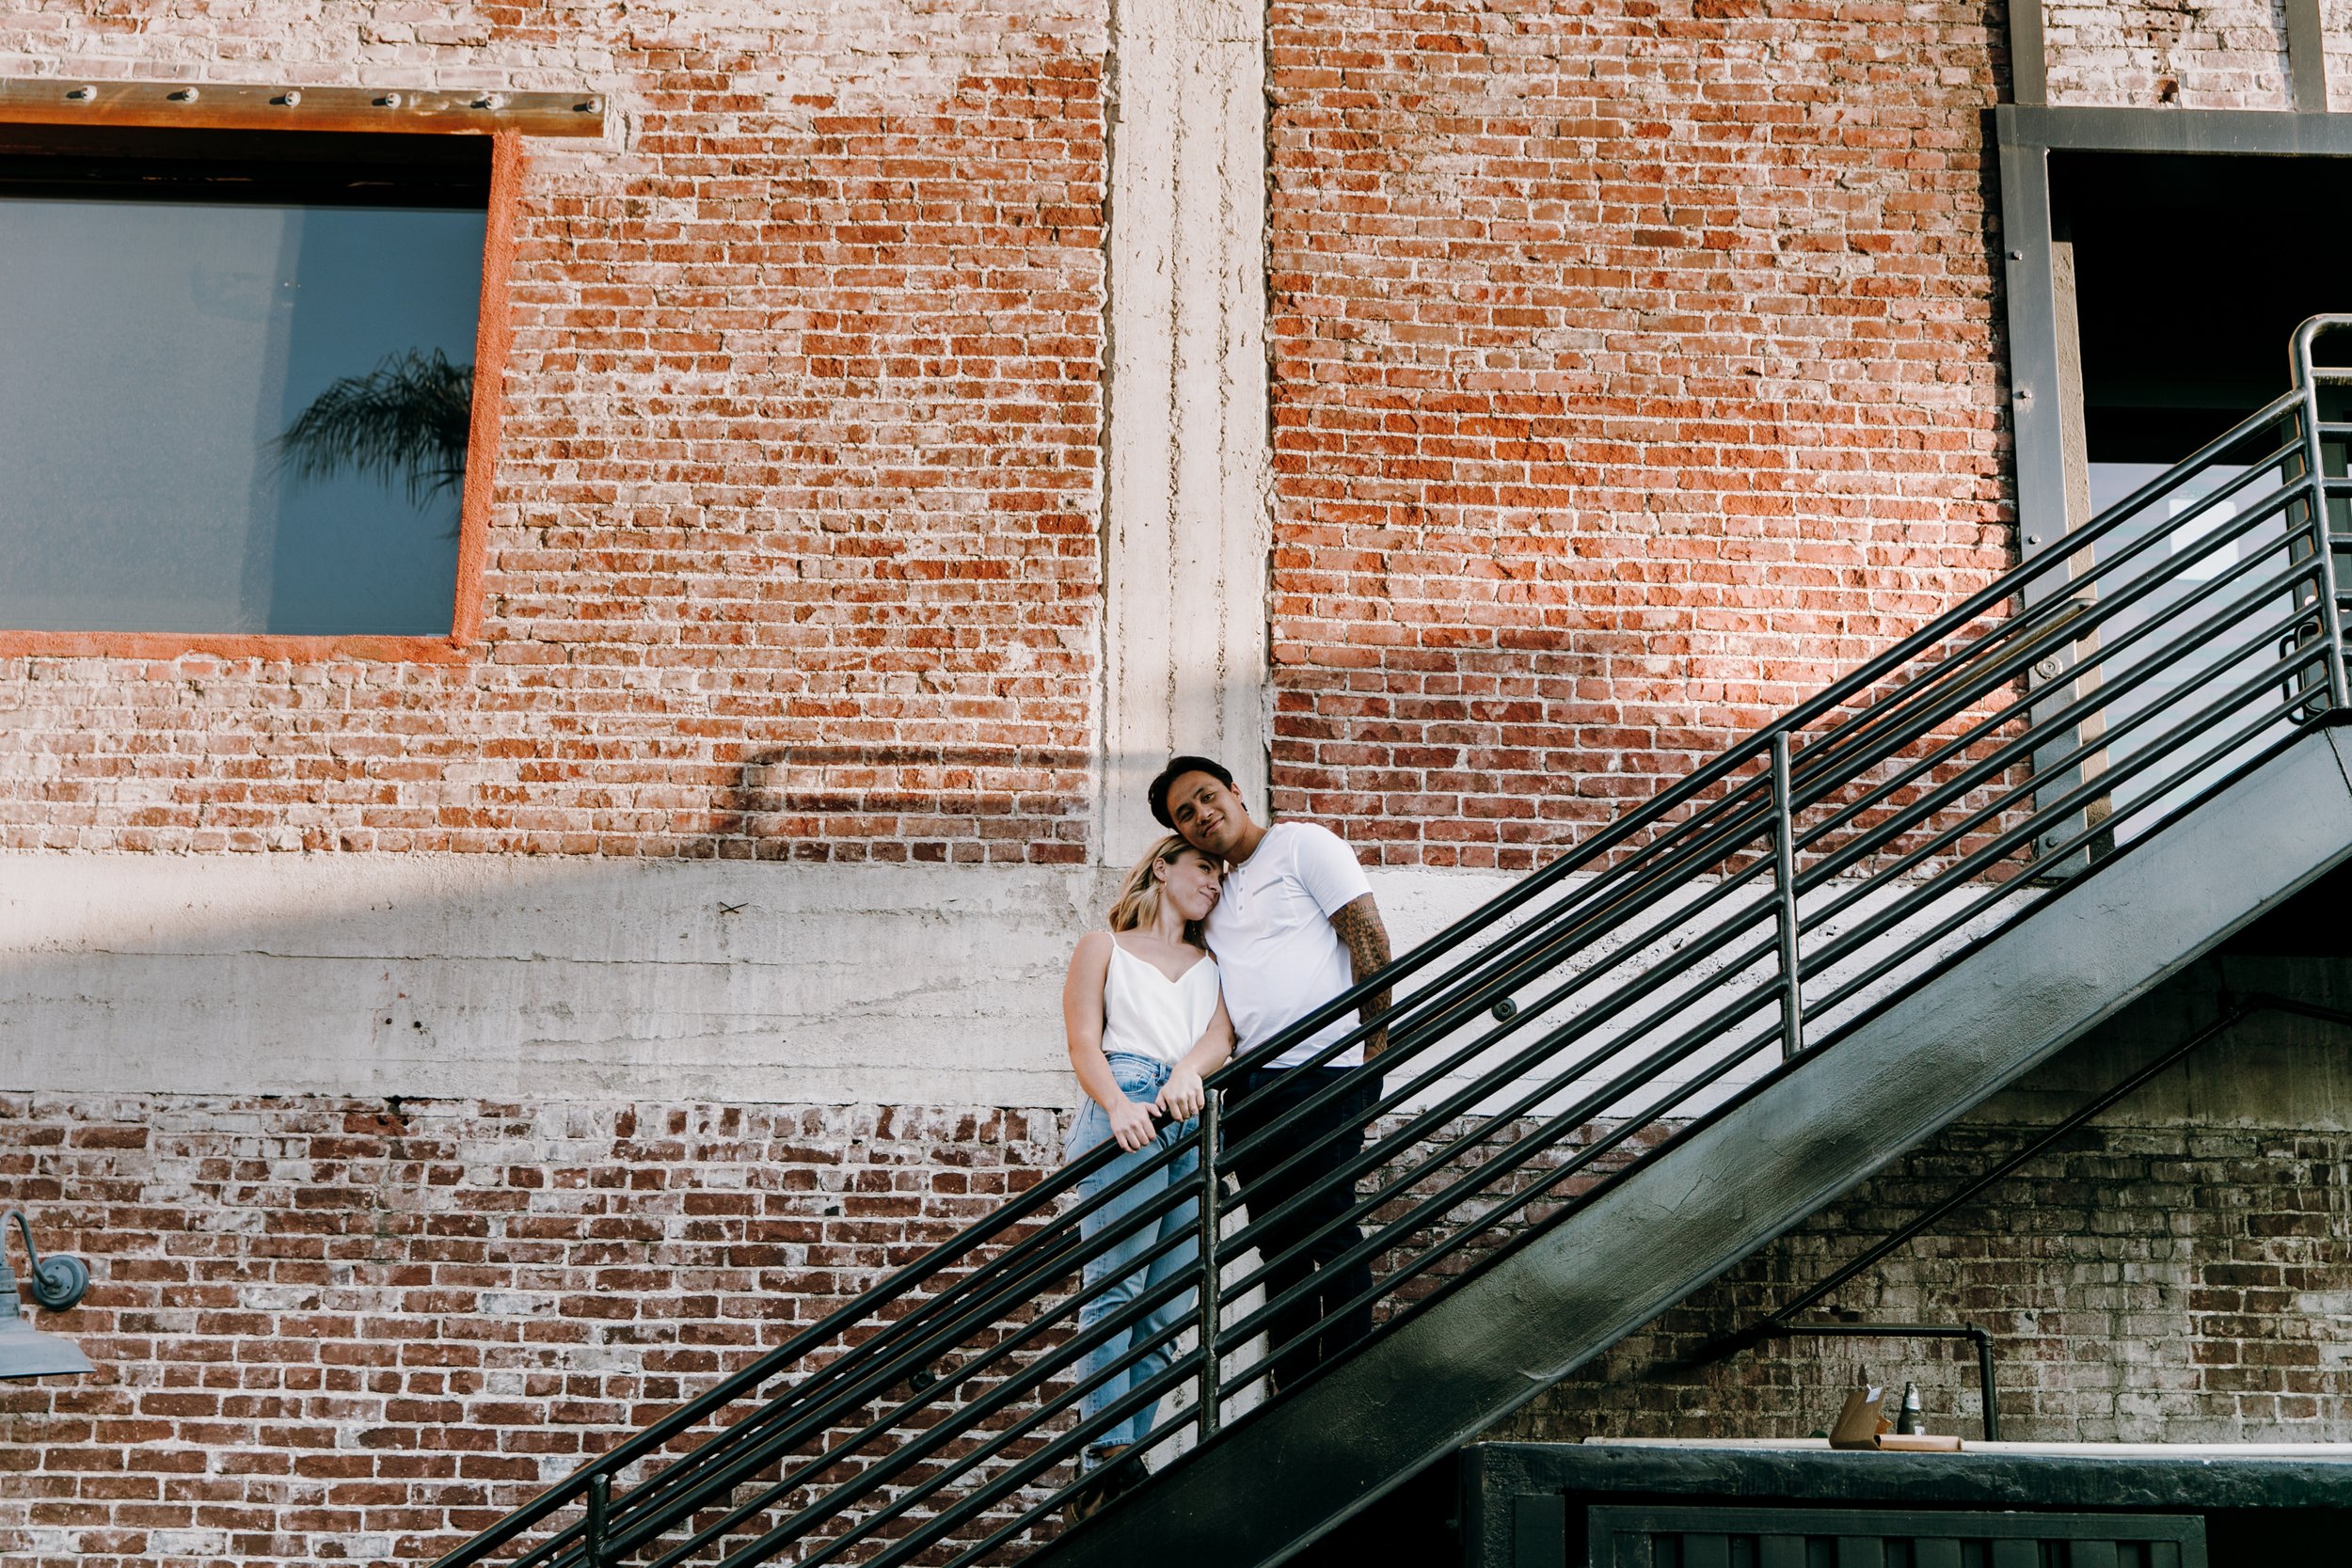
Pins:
x,y
26,1352
56,1284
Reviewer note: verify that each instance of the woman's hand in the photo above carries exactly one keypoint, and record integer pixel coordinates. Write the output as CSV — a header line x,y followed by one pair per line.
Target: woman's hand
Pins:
x,y
1180,1096
1131,1123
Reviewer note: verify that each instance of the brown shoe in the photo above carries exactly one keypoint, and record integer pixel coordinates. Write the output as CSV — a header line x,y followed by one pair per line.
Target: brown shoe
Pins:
x,y
1122,1476
1104,1481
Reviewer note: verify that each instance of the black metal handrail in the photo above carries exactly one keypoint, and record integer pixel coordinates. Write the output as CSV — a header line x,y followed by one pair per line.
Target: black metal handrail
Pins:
x,y
1729,930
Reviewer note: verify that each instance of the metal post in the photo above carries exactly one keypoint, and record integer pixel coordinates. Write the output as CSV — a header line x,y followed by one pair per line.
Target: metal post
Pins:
x,y
599,1509
1784,884
1984,1381
2315,474
1211,1307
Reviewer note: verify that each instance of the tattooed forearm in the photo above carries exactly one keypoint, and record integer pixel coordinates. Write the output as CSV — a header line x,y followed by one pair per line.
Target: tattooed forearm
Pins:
x,y
1367,940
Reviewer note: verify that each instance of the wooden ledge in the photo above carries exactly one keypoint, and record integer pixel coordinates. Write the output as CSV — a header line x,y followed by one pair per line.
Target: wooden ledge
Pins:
x,y
217,105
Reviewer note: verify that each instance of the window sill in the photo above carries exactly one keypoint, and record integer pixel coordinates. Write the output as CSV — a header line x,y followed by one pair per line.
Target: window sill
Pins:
x,y
275,647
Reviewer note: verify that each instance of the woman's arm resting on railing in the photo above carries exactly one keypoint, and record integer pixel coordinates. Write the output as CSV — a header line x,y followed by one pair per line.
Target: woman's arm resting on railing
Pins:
x,y
1082,1023
1180,1096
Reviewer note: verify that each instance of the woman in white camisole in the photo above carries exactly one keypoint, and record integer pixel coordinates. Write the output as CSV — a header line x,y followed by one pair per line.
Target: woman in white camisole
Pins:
x,y
1145,1023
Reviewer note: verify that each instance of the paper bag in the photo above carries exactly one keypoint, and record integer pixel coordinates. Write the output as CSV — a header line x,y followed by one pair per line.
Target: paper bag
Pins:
x,y
1860,1423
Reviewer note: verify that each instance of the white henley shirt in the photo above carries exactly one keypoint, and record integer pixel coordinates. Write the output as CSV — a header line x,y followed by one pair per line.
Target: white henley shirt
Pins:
x,y
1276,955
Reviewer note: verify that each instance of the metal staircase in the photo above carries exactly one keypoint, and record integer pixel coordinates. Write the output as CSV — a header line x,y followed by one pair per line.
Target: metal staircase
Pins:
x,y
1607,1086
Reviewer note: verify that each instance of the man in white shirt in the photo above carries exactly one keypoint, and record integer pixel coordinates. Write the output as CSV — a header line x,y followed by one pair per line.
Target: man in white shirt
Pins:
x,y
1293,926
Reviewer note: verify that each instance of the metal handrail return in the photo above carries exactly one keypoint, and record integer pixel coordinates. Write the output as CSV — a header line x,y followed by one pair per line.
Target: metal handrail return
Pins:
x,y
1734,927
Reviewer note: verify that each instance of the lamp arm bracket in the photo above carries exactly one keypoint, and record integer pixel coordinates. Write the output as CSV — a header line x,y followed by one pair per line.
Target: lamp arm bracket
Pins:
x,y
57,1282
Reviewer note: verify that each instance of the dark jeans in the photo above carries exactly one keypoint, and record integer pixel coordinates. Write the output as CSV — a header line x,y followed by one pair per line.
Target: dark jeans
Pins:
x,y
1267,1093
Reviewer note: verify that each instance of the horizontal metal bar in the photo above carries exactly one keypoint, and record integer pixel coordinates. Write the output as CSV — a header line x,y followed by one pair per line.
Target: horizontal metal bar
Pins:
x,y
1677,1050
2059,720
1644,985
2000,891
977,1316
2206,131
1983,858
901,1458
2010,753
1647,981
1526,1149
1496,1216
1040,1251
1378,1154
981,1498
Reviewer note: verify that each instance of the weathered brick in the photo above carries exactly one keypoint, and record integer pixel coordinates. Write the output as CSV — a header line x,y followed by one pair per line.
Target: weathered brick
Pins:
x,y
793,545
2128,1320
211,1334
1632,374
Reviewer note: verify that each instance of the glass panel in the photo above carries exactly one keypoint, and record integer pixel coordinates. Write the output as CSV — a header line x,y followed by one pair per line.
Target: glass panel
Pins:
x,y
156,352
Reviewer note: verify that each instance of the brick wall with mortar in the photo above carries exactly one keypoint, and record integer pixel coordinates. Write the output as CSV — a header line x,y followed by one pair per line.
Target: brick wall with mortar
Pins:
x,y
342,1330
1633,374
793,544
338,1330
1634,370
2226,55
2176,1283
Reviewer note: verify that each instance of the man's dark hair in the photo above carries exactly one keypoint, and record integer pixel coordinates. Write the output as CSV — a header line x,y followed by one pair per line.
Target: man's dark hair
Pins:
x,y
1177,767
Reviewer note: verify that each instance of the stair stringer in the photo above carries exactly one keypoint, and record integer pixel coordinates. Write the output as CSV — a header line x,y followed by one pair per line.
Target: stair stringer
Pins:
x,y
1291,1471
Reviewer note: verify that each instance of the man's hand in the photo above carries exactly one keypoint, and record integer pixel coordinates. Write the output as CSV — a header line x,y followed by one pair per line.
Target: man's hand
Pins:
x,y
1182,1096
1367,940
1131,1124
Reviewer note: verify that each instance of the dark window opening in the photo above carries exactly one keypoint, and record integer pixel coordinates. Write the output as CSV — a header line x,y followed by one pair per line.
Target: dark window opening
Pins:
x,y
2191,272
235,378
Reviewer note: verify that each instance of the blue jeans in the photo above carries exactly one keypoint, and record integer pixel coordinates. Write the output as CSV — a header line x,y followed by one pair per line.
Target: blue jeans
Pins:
x,y
1139,1077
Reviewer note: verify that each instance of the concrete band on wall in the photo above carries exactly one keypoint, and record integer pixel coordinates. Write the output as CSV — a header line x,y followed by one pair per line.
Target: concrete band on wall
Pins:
x,y
472,976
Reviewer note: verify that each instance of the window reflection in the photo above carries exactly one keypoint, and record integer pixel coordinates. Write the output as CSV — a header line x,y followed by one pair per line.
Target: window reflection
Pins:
x,y
155,353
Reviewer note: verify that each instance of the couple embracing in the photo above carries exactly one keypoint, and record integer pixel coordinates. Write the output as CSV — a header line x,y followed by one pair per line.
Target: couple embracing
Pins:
x,y
1223,936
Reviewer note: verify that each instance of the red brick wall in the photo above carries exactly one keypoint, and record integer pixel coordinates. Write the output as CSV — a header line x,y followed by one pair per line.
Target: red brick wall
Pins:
x,y
339,1330
793,549
345,1331
1635,372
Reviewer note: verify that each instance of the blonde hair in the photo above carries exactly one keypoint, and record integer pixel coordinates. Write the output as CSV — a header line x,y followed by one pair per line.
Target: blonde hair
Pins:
x,y
1139,901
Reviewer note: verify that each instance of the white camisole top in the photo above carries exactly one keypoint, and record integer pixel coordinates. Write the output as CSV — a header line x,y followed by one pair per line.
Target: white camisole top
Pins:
x,y
1146,1014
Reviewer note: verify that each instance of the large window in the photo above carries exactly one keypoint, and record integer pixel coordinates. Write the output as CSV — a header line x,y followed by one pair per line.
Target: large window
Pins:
x,y
236,374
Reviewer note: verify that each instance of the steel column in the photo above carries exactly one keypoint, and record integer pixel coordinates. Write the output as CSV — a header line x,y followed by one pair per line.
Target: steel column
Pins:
x,y
592,1547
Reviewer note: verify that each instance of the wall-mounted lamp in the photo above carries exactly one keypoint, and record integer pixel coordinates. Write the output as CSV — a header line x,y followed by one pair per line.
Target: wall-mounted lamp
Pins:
x,y
55,1284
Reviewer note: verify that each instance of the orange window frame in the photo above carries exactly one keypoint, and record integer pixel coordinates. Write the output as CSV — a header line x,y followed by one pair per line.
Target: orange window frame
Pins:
x,y
493,339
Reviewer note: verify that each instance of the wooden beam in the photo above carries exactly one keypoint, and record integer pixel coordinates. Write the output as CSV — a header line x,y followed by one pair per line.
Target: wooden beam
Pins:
x,y
218,105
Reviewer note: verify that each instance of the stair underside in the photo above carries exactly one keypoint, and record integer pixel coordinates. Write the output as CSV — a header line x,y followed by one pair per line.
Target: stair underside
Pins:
x,y
1290,1472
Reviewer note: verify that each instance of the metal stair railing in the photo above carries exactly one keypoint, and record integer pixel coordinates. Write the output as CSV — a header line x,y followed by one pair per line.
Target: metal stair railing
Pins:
x,y
1732,928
